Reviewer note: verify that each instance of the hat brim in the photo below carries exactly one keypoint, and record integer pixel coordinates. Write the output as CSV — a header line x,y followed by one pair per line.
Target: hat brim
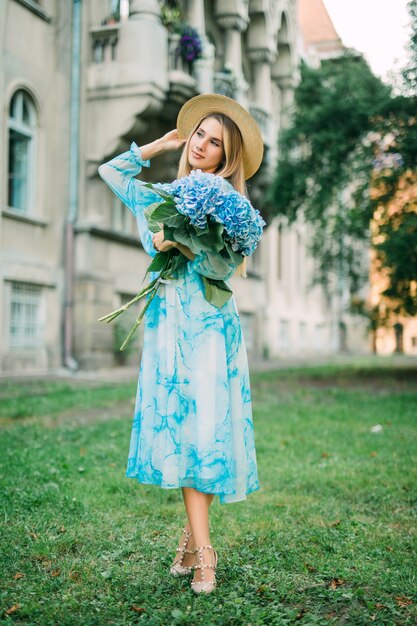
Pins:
x,y
199,107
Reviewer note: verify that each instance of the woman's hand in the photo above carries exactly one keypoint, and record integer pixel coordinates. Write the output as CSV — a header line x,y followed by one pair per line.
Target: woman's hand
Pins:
x,y
161,245
169,141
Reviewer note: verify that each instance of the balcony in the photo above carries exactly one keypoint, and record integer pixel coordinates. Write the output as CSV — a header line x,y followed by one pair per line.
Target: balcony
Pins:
x,y
182,82
226,84
104,43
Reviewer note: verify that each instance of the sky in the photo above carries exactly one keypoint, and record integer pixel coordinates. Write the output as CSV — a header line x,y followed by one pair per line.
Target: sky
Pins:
x,y
378,28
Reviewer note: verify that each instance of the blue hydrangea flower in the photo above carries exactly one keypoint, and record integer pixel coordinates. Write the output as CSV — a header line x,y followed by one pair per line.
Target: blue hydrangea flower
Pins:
x,y
197,196
200,196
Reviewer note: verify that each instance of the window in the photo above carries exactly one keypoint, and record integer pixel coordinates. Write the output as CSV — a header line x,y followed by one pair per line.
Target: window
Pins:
x,y
414,342
302,337
26,328
319,337
284,335
22,134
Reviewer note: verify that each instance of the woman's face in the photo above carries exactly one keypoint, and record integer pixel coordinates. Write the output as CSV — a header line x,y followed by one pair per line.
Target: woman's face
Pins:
x,y
205,150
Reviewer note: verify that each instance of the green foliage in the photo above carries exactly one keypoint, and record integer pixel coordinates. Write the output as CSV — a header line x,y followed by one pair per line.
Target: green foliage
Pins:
x,y
397,253
326,160
410,71
333,111
351,147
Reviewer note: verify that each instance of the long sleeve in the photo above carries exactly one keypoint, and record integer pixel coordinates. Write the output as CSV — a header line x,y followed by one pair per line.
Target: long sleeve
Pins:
x,y
214,265
119,174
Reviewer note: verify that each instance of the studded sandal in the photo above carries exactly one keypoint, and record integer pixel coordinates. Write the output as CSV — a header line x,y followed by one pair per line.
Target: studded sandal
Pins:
x,y
177,568
204,586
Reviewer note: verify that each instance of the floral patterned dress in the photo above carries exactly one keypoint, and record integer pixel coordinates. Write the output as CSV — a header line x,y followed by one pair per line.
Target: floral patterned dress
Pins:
x,y
193,423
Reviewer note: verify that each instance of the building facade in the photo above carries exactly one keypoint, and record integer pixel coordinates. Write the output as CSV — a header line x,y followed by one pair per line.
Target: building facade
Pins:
x,y
96,76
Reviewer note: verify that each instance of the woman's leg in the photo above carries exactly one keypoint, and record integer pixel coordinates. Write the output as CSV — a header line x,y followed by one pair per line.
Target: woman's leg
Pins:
x,y
197,505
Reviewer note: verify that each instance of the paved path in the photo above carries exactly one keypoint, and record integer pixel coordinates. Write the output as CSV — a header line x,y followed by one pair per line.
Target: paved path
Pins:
x,y
126,374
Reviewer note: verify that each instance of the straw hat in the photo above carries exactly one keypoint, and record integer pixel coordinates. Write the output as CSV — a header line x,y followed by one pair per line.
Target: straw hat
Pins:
x,y
206,104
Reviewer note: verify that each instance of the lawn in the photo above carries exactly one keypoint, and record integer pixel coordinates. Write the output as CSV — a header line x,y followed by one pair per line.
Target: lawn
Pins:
x,y
330,538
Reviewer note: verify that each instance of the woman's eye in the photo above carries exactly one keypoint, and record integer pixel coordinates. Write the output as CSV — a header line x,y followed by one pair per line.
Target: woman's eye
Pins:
x,y
199,133
215,144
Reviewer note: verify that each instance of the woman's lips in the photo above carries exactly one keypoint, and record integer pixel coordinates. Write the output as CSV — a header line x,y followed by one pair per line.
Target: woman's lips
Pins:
x,y
197,156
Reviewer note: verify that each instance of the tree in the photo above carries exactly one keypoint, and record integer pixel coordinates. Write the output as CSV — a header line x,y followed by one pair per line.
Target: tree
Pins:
x,y
350,155
326,161
395,193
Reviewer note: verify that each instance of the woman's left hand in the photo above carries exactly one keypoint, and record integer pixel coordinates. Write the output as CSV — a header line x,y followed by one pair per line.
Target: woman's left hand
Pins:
x,y
161,245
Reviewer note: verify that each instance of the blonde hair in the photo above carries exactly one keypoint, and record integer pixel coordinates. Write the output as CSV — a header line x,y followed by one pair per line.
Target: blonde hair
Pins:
x,y
231,166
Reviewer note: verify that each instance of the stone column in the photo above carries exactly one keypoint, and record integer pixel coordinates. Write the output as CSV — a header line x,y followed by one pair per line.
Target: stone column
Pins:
x,y
286,87
195,12
143,48
262,60
234,25
203,68
139,8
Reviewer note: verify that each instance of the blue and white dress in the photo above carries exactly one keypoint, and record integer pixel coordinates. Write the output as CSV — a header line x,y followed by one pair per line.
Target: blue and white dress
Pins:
x,y
193,422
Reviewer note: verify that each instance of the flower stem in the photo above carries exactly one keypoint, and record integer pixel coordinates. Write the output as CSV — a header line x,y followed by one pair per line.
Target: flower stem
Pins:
x,y
109,317
139,318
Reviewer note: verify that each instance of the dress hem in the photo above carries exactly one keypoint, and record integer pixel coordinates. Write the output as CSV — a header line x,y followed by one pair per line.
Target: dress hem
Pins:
x,y
224,498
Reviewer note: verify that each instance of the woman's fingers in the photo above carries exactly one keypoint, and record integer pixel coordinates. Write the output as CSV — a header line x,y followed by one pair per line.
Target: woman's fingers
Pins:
x,y
172,139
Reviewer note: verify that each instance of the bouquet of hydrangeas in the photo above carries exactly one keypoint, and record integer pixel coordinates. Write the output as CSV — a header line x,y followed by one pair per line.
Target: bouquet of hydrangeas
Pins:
x,y
200,213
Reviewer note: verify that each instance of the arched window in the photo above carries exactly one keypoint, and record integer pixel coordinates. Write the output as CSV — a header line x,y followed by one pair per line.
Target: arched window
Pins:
x,y
22,136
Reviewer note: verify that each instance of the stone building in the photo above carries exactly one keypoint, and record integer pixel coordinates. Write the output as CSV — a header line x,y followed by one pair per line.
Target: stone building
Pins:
x,y
79,81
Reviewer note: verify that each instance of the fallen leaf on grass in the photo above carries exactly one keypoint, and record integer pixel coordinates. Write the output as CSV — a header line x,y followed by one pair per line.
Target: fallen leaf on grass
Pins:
x,y
55,573
324,455
62,529
403,601
373,453
380,606
12,609
336,522
310,568
137,609
390,549
82,451
301,614
337,582
74,575
330,615
34,535
18,575
47,563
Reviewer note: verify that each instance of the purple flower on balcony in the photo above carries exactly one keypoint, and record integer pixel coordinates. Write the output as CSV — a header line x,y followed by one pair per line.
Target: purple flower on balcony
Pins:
x,y
189,47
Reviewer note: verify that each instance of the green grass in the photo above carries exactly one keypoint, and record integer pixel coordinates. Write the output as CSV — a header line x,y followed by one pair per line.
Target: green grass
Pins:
x,y
330,538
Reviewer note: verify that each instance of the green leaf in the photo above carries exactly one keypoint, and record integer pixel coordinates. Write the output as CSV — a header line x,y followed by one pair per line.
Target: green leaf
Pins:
x,y
158,262
160,192
164,211
216,291
176,221
182,235
148,212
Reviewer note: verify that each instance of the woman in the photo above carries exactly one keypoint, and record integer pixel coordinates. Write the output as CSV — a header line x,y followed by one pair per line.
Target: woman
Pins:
x,y
193,423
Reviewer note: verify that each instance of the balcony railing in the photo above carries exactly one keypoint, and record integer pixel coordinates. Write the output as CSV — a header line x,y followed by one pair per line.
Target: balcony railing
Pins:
x,y
225,84
261,117
104,43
